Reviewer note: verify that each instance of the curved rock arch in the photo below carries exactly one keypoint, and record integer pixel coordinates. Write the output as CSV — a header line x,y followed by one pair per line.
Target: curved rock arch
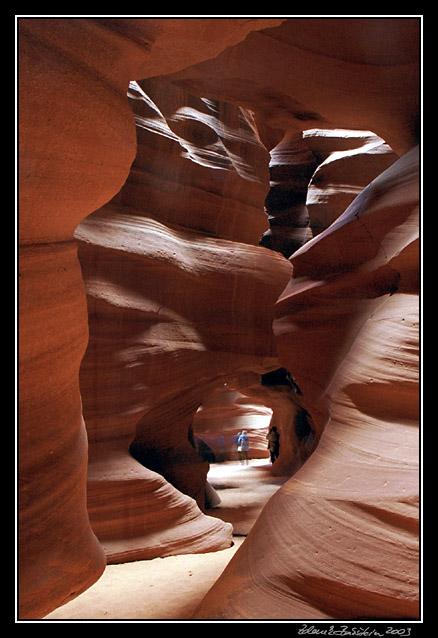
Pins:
x,y
73,114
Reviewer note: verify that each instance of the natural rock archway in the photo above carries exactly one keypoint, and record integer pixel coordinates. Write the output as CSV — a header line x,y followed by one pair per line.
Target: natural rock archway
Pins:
x,y
77,143
174,295
171,303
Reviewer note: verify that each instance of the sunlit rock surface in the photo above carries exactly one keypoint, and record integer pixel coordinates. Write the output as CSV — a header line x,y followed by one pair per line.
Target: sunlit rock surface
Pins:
x,y
352,550
314,176
347,162
77,142
346,326
172,308
261,403
309,73
149,517
222,416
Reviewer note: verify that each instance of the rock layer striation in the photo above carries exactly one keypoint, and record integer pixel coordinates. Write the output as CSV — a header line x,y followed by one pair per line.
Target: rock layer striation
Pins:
x,y
173,297
352,551
172,312
77,142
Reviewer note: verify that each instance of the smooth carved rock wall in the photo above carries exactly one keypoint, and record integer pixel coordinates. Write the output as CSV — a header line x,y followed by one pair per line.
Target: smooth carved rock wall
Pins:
x,y
224,413
220,191
260,403
314,176
138,515
347,162
352,550
358,74
76,145
291,167
173,310
346,328
67,169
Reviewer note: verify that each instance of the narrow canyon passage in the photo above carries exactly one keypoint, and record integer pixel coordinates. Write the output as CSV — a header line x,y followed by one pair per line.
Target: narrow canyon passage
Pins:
x,y
219,231
244,490
172,588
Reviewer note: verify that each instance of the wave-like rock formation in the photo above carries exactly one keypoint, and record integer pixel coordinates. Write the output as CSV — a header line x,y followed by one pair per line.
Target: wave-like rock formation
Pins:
x,y
306,73
347,162
77,142
162,195
224,413
138,515
171,306
352,551
314,177
291,167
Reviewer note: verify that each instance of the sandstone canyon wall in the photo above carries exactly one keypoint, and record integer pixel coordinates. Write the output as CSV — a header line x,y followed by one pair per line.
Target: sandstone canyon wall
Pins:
x,y
76,145
351,513
346,329
172,271
224,413
179,298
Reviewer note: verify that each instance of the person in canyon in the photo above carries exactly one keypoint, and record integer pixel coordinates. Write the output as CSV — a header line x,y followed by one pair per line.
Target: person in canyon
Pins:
x,y
243,446
273,438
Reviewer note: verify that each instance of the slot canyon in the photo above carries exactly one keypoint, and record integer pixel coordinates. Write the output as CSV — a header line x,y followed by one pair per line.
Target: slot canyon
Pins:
x,y
218,230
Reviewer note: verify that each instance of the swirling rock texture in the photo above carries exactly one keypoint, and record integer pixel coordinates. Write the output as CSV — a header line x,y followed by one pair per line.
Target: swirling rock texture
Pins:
x,y
347,330
347,162
351,513
172,311
359,74
291,167
224,413
314,176
339,539
77,143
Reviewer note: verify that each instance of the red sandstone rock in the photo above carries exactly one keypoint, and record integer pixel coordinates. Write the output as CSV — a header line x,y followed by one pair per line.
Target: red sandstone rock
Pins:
x,y
173,311
314,176
289,415
137,501
351,513
354,74
291,167
77,144
223,415
221,191
259,404
347,162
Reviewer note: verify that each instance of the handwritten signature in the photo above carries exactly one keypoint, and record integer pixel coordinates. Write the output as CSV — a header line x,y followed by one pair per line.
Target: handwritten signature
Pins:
x,y
344,630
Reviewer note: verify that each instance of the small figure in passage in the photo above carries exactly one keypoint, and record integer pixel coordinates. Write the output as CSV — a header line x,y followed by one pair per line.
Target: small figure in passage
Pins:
x,y
273,443
243,446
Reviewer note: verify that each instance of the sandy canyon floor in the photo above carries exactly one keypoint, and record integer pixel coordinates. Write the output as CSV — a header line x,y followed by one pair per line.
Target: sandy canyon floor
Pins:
x,y
166,589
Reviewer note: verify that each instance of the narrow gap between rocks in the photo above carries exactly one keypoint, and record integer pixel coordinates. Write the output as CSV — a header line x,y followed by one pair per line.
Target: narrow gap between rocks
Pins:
x,y
237,489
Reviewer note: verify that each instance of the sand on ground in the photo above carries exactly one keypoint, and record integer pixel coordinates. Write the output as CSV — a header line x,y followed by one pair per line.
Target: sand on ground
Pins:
x,y
171,588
